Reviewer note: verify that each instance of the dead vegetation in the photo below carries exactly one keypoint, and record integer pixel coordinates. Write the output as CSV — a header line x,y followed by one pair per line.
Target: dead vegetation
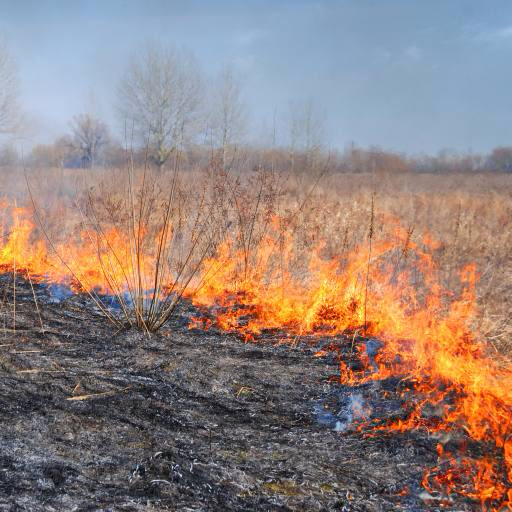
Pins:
x,y
187,420
319,265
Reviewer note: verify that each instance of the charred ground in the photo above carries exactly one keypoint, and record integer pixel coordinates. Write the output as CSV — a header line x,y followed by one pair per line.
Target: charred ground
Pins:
x,y
94,419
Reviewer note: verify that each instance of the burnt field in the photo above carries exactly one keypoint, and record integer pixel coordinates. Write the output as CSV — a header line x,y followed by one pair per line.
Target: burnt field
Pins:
x,y
241,341
99,419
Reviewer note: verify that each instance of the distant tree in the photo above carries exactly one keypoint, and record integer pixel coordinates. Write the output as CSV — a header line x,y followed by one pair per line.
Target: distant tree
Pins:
x,y
8,156
89,135
9,92
383,162
41,155
114,154
160,96
500,159
306,126
60,153
228,115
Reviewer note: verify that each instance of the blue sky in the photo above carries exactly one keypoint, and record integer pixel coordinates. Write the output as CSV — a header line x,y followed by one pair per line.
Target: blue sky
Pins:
x,y
414,76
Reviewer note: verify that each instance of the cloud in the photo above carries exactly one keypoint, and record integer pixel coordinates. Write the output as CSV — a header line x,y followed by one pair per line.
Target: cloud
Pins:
x,y
496,35
503,33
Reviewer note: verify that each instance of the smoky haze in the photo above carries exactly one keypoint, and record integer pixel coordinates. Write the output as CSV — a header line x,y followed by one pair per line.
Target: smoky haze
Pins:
x,y
407,76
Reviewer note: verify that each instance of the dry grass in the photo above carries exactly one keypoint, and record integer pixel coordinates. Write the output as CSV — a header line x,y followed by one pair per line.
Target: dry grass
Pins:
x,y
469,216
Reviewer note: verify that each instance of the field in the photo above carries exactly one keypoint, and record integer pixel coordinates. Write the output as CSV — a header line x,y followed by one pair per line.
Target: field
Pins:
x,y
211,339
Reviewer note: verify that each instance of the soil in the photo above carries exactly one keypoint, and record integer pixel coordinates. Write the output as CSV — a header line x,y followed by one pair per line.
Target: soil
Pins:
x,y
98,419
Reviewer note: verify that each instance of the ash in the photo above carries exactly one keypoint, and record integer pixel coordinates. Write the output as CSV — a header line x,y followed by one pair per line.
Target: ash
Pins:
x,y
94,419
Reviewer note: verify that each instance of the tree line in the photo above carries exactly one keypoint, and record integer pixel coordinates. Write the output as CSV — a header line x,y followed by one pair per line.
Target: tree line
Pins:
x,y
167,109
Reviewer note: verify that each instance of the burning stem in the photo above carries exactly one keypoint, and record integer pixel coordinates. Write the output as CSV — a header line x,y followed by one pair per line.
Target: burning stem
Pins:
x,y
370,237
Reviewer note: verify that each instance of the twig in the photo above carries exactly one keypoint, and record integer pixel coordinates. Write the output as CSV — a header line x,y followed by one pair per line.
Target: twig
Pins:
x,y
370,237
97,395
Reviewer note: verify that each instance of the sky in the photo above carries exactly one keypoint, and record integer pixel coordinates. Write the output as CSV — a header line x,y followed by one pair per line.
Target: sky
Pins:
x,y
410,76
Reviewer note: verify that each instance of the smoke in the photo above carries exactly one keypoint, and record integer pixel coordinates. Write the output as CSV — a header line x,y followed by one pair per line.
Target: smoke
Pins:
x,y
352,408
372,347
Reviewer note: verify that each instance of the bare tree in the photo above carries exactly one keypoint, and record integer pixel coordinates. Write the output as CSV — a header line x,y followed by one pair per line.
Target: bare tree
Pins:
x,y
229,112
89,136
160,95
306,126
500,159
9,92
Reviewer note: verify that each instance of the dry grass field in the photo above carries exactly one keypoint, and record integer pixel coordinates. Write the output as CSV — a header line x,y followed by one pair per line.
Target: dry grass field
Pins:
x,y
466,217
400,281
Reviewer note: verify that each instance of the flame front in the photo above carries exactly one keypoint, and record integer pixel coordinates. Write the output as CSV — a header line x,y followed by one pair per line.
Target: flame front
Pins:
x,y
88,260
390,291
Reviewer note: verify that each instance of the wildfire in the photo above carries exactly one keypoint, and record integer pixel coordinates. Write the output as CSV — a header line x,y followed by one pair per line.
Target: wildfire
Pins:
x,y
89,260
390,290
428,337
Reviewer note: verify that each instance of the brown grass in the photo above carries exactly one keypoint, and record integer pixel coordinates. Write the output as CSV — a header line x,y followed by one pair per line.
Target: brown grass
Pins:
x,y
470,216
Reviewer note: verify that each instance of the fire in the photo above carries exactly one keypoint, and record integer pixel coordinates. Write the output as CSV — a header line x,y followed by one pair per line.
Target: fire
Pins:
x,y
87,261
428,336
390,291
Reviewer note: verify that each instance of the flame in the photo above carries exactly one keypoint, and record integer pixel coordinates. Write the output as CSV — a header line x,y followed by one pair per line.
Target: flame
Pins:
x,y
389,290
86,261
428,334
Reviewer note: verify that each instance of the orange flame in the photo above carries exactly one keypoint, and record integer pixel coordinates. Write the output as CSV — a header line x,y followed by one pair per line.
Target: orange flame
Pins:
x,y
391,291
87,261
428,334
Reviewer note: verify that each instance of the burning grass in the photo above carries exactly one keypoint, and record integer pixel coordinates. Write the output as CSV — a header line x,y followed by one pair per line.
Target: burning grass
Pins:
x,y
256,255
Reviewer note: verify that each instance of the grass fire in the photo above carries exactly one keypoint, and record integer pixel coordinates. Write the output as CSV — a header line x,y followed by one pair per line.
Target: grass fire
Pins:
x,y
196,317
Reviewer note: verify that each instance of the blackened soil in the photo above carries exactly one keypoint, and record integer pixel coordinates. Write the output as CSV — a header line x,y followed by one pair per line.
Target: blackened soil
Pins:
x,y
94,419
